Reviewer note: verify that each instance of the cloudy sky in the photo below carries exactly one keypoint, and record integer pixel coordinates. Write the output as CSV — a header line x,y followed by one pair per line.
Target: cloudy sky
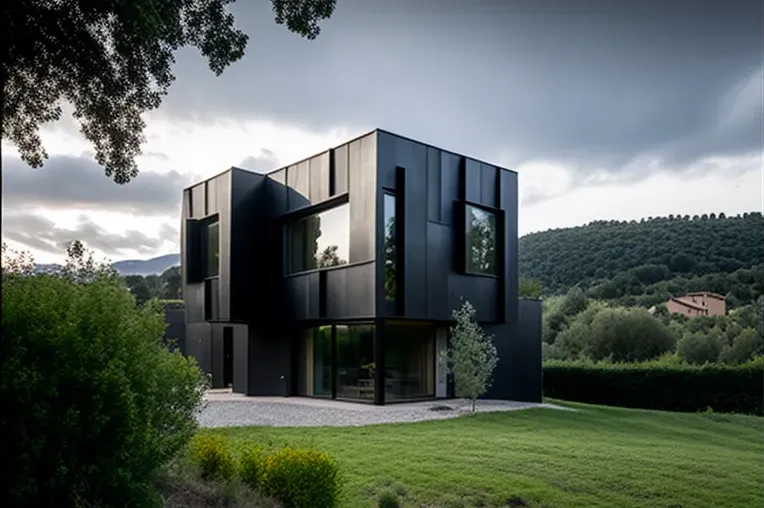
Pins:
x,y
606,109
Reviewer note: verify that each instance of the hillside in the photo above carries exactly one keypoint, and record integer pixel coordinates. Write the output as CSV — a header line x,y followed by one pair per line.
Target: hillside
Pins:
x,y
143,267
637,261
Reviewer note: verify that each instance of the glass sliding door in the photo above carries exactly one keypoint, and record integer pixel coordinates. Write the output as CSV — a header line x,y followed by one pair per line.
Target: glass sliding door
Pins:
x,y
314,372
355,361
409,360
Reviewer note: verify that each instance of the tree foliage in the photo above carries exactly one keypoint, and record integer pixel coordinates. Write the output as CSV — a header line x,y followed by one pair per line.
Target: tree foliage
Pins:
x,y
640,262
93,403
471,357
111,62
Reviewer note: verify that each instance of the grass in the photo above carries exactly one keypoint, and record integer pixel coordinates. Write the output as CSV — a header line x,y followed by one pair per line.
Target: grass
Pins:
x,y
594,457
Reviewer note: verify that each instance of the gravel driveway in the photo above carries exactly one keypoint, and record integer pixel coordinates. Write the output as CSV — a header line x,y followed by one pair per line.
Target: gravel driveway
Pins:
x,y
228,409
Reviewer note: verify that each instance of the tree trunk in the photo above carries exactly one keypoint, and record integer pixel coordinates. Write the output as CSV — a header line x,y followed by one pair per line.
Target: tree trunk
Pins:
x,y
473,404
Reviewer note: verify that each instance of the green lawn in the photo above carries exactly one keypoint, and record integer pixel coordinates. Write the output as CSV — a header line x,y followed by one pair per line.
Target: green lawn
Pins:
x,y
595,456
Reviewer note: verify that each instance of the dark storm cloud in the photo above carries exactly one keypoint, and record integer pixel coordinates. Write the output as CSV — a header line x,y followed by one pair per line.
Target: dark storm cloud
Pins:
x,y
42,234
69,181
260,163
592,84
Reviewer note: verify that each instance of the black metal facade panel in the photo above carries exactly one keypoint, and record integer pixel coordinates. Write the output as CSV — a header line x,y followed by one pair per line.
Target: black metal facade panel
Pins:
x,y
481,292
240,358
216,345
415,234
249,251
340,173
508,202
472,181
175,332
277,192
488,183
199,200
269,359
298,182
439,255
363,198
219,202
449,185
193,298
198,344
433,185
319,178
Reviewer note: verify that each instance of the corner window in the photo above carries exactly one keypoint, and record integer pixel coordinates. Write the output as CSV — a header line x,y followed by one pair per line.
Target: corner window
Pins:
x,y
212,250
321,240
390,248
480,241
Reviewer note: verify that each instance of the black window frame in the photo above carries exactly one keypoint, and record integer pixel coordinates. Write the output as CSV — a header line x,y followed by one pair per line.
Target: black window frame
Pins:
x,y
302,215
465,244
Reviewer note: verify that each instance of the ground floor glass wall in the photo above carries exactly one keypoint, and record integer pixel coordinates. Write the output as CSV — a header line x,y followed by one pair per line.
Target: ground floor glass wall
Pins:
x,y
409,361
338,361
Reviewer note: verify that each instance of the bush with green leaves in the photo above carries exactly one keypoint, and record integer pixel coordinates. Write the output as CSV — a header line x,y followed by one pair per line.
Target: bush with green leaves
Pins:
x,y
93,404
302,478
251,464
388,499
700,347
211,454
663,384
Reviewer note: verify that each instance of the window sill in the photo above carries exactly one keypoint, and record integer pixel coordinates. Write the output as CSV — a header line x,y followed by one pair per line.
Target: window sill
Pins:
x,y
327,269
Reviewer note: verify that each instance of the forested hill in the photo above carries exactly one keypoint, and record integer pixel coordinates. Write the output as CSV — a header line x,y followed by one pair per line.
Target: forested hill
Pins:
x,y
642,252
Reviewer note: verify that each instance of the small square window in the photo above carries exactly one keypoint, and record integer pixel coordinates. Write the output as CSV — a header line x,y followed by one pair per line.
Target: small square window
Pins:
x,y
480,241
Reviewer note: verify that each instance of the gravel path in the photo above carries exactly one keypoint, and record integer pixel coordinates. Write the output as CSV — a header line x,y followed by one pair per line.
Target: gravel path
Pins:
x,y
232,410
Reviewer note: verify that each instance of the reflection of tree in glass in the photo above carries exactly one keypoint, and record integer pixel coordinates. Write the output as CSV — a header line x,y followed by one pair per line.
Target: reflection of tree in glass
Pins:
x,y
390,259
481,242
312,234
328,257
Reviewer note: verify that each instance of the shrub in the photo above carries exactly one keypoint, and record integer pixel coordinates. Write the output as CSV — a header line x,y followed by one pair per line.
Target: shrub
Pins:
x,y
301,478
388,499
251,466
212,455
662,385
746,345
699,347
92,403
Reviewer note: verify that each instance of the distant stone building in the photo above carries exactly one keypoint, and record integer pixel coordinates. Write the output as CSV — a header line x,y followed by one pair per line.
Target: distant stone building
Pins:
x,y
702,303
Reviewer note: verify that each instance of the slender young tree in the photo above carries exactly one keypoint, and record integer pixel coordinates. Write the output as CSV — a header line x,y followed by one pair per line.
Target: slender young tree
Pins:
x,y
471,357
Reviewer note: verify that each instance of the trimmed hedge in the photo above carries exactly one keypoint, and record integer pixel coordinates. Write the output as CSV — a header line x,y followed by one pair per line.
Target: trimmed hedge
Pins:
x,y
662,386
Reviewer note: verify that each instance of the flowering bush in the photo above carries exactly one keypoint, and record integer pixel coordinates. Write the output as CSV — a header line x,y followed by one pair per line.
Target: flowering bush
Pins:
x,y
251,466
212,456
301,478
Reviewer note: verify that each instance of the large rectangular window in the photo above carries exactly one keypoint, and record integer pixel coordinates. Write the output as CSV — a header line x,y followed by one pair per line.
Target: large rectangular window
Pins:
x,y
355,361
409,361
212,250
390,248
480,241
321,240
315,362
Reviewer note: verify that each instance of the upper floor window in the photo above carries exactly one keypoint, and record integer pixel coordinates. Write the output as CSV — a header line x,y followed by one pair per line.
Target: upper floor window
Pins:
x,y
318,241
480,241
211,246
390,247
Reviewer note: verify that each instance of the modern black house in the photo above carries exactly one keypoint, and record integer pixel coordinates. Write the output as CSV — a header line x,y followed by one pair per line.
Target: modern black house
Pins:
x,y
336,276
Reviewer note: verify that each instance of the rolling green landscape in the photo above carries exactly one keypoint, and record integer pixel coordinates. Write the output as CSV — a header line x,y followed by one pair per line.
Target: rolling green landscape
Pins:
x,y
593,456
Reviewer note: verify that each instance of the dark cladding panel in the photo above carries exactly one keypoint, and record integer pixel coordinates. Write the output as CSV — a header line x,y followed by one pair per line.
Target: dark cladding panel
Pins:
x,y
301,293
387,150
278,192
359,291
198,345
216,337
449,185
433,185
193,297
199,201
222,200
362,198
472,181
341,155
488,182
508,198
213,201
240,358
298,181
319,178
336,293
270,354
413,158
518,375
439,254
481,292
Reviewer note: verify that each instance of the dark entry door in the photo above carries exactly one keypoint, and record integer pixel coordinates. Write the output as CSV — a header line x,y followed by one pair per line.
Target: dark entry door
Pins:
x,y
227,356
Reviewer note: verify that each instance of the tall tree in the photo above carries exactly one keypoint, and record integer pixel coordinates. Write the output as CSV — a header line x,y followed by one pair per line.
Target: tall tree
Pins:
x,y
111,61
